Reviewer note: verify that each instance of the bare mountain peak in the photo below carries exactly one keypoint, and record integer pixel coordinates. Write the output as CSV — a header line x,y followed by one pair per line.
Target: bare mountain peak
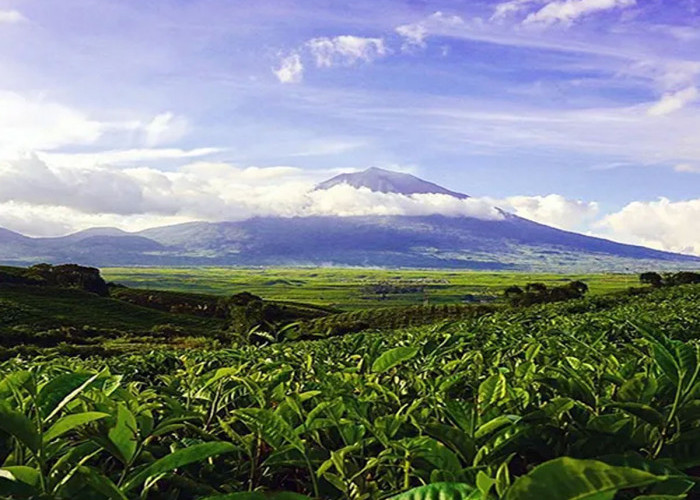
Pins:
x,y
387,181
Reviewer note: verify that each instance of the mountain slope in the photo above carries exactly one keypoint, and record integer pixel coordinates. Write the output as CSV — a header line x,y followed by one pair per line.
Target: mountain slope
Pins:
x,y
510,242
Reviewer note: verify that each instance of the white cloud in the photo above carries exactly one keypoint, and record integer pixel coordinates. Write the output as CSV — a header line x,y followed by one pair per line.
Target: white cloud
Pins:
x,y
42,220
552,210
124,156
506,9
673,101
198,191
660,224
567,11
31,123
687,168
291,69
345,50
36,123
415,34
346,200
11,16
165,128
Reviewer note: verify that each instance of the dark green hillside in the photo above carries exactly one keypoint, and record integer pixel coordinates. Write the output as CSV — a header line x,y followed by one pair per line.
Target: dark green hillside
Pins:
x,y
200,304
51,307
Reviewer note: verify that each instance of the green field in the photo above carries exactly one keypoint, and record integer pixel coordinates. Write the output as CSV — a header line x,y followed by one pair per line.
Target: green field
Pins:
x,y
194,393
596,398
344,288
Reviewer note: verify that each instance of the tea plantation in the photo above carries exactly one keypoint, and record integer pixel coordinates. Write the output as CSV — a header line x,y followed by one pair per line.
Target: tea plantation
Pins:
x,y
594,398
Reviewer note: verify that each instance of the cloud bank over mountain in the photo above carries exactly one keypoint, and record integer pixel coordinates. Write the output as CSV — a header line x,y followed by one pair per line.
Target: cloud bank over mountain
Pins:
x,y
46,197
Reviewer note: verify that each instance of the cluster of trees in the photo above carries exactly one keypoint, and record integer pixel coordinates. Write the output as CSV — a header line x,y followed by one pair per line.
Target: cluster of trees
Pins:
x,y
248,313
63,276
539,293
669,279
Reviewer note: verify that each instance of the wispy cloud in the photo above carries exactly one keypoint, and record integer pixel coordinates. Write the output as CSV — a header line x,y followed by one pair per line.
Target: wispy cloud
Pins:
x,y
345,50
11,16
415,34
326,52
121,157
290,70
510,8
165,128
568,11
673,101
688,168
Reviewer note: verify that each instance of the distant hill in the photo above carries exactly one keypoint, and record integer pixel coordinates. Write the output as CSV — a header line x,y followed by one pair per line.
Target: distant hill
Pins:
x,y
437,241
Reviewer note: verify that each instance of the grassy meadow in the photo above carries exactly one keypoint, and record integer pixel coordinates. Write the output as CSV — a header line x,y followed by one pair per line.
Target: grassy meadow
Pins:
x,y
346,288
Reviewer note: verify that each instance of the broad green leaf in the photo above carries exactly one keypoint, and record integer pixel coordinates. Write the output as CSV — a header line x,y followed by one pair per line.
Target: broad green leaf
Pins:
x,y
70,422
179,458
27,475
124,434
60,391
434,452
393,357
13,382
636,461
256,495
641,387
641,410
502,479
454,438
496,424
492,390
441,491
687,356
12,487
685,451
273,428
567,479
660,497
662,350
19,426
101,483
666,362
484,483
57,389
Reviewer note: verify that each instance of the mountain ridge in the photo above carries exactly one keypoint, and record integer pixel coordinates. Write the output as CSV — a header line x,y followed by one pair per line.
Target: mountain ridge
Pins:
x,y
429,241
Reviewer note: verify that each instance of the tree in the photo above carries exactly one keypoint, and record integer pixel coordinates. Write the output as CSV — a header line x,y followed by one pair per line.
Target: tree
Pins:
x,y
651,278
579,287
513,291
683,278
537,288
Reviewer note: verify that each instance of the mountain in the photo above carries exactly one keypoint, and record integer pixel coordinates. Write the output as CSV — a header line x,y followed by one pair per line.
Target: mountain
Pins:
x,y
386,181
440,241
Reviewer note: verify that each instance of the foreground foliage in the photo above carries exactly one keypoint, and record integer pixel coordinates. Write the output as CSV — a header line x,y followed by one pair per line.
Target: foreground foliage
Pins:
x,y
596,398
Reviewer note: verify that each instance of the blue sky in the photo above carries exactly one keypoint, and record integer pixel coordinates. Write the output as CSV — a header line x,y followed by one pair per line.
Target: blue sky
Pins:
x,y
578,113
